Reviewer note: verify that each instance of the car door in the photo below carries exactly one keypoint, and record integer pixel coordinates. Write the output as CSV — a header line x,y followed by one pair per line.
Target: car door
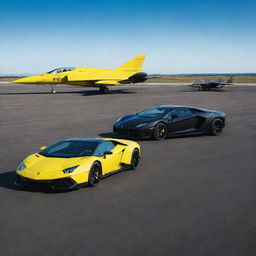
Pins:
x,y
181,120
110,162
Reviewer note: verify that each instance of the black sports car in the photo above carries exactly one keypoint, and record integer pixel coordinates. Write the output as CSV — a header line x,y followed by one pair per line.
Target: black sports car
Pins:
x,y
169,120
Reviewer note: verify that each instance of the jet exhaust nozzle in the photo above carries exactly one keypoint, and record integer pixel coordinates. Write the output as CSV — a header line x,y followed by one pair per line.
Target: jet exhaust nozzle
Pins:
x,y
138,77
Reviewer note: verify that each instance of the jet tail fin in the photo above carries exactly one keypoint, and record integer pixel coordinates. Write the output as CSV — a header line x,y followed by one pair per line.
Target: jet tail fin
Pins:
x,y
133,65
230,80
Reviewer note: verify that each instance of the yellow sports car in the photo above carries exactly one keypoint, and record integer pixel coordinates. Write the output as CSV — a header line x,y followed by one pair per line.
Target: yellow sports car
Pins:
x,y
75,162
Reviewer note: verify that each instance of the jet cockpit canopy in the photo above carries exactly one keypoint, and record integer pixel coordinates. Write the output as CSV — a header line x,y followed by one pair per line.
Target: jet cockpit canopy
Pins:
x,y
60,70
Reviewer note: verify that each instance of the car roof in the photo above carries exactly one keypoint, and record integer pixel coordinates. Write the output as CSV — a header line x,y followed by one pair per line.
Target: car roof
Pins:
x,y
172,106
84,139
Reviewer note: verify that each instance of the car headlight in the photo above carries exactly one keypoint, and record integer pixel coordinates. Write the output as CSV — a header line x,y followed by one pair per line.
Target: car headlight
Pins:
x,y
22,166
140,125
70,169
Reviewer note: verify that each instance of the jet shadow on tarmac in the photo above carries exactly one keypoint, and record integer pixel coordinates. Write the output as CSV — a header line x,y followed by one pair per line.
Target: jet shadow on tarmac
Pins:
x,y
83,93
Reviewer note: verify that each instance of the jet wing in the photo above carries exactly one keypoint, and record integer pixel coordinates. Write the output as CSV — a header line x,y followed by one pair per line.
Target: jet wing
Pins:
x,y
217,84
94,79
107,82
213,84
224,83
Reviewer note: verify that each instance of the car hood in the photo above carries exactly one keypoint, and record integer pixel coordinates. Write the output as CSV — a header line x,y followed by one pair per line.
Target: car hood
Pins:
x,y
133,121
39,167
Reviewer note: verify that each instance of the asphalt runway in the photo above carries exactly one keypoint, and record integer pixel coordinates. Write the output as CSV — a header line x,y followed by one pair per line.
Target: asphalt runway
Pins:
x,y
189,196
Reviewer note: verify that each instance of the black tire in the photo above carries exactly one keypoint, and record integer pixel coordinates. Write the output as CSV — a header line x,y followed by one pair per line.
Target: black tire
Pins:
x,y
135,159
104,89
95,174
216,127
160,131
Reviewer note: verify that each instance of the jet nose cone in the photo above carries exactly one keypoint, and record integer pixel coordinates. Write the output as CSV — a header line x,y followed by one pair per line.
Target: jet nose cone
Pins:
x,y
28,80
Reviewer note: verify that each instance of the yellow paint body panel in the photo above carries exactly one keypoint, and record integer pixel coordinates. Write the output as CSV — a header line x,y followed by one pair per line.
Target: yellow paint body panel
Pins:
x,y
89,76
39,167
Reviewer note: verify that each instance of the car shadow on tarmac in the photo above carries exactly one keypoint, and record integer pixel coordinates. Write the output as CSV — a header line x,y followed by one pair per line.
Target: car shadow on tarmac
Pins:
x,y
83,93
108,135
112,135
7,180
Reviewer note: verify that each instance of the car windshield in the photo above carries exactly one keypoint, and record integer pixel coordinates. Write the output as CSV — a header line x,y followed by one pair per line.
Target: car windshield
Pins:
x,y
157,112
67,149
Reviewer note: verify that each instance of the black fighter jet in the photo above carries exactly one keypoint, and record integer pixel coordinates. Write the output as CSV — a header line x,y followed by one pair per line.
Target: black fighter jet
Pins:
x,y
206,85
170,120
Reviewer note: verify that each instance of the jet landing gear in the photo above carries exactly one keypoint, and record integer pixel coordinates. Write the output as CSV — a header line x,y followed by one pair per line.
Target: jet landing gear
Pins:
x,y
104,89
53,91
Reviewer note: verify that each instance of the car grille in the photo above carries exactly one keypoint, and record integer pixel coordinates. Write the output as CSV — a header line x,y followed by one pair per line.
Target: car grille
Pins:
x,y
126,132
64,183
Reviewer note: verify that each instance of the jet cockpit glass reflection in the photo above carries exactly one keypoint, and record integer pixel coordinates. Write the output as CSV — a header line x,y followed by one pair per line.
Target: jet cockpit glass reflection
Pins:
x,y
60,70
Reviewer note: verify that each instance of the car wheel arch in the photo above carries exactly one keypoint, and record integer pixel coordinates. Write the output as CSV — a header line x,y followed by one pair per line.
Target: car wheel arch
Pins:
x,y
161,122
132,166
99,162
211,125
164,123
91,181
223,119
127,155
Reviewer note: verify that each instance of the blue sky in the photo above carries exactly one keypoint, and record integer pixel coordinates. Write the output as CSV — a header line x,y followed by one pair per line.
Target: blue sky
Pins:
x,y
182,36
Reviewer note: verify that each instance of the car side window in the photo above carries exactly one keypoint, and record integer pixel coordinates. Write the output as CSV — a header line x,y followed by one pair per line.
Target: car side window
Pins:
x,y
185,112
175,112
181,113
103,147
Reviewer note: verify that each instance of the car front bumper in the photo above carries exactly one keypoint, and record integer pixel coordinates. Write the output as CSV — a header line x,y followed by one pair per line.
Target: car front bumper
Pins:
x,y
132,133
55,184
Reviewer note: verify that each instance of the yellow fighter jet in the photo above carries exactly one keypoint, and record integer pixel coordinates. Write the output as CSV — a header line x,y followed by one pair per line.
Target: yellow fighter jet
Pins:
x,y
130,72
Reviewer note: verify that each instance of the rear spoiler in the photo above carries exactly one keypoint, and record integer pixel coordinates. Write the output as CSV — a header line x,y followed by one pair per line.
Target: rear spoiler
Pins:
x,y
118,141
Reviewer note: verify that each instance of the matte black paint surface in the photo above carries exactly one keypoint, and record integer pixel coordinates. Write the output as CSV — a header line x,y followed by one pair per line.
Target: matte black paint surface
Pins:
x,y
199,122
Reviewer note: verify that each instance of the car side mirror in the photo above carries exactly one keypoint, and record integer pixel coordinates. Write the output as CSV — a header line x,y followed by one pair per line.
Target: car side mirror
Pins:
x,y
174,116
107,153
42,148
